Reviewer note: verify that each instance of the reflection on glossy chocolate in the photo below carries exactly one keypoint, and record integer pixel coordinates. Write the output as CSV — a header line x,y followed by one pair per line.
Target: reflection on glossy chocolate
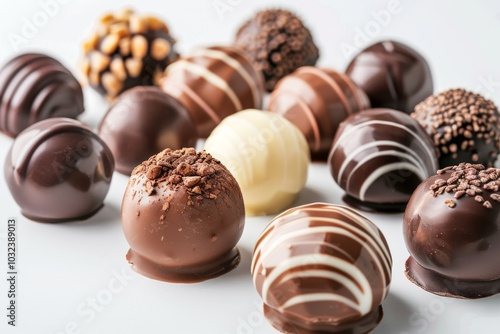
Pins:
x,y
213,83
182,214
316,101
464,126
379,156
143,122
393,75
451,229
322,268
34,87
58,170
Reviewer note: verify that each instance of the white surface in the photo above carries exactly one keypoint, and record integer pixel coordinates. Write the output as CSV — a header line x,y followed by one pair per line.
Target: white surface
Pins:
x,y
63,267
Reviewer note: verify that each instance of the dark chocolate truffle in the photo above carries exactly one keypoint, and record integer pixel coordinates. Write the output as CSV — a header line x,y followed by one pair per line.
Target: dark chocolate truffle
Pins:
x,y
34,87
58,170
182,215
464,126
213,83
278,43
393,75
143,122
322,268
379,157
126,50
316,101
452,231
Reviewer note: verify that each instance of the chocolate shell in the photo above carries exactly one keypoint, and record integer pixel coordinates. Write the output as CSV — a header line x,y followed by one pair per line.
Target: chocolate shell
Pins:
x,y
58,170
213,83
379,157
322,268
393,75
182,214
142,122
452,231
316,101
34,87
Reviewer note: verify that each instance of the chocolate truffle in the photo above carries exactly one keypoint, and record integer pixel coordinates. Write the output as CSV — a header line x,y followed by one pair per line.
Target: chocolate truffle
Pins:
x,y
379,157
182,214
267,155
142,122
464,126
393,75
316,101
213,83
278,43
126,50
34,87
322,268
58,170
451,229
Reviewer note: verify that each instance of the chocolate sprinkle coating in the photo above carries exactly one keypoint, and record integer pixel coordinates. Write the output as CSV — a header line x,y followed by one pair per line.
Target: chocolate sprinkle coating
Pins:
x,y
278,43
464,126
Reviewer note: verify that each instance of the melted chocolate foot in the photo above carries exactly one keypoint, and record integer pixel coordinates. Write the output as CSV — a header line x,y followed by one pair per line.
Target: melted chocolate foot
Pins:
x,y
373,207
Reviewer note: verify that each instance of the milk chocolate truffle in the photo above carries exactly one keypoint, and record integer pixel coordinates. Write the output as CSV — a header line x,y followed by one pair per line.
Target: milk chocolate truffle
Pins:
x,y
213,83
58,170
34,87
143,122
316,101
267,155
126,50
278,43
182,214
379,157
393,75
451,229
464,126
322,268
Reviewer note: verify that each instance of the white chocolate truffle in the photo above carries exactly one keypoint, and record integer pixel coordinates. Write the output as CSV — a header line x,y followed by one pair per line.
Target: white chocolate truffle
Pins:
x,y
266,154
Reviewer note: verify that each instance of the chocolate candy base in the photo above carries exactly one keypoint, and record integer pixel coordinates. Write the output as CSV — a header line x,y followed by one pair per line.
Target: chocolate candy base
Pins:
x,y
294,325
200,273
448,287
65,220
373,207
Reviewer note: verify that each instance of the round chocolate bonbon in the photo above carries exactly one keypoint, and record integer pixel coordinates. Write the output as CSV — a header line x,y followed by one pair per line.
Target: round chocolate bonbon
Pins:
x,y
451,229
322,268
379,157
464,126
182,214
34,87
142,122
393,75
316,100
58,170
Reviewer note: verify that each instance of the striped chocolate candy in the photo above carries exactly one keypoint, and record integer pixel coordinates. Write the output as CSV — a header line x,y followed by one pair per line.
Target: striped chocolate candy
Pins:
x,y
322,268
214,83
379,157
316,101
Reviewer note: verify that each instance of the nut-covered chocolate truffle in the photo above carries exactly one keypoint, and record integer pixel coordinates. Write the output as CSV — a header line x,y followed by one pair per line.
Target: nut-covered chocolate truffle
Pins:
x,y
316,101
126,50
182,214
379,157
58,170
322,268
452,231
393,75
267,155
213,83
34,87
464,126
142,122
278,43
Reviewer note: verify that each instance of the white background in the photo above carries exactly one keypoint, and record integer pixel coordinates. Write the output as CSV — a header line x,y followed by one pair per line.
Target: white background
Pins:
x,y
62,267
